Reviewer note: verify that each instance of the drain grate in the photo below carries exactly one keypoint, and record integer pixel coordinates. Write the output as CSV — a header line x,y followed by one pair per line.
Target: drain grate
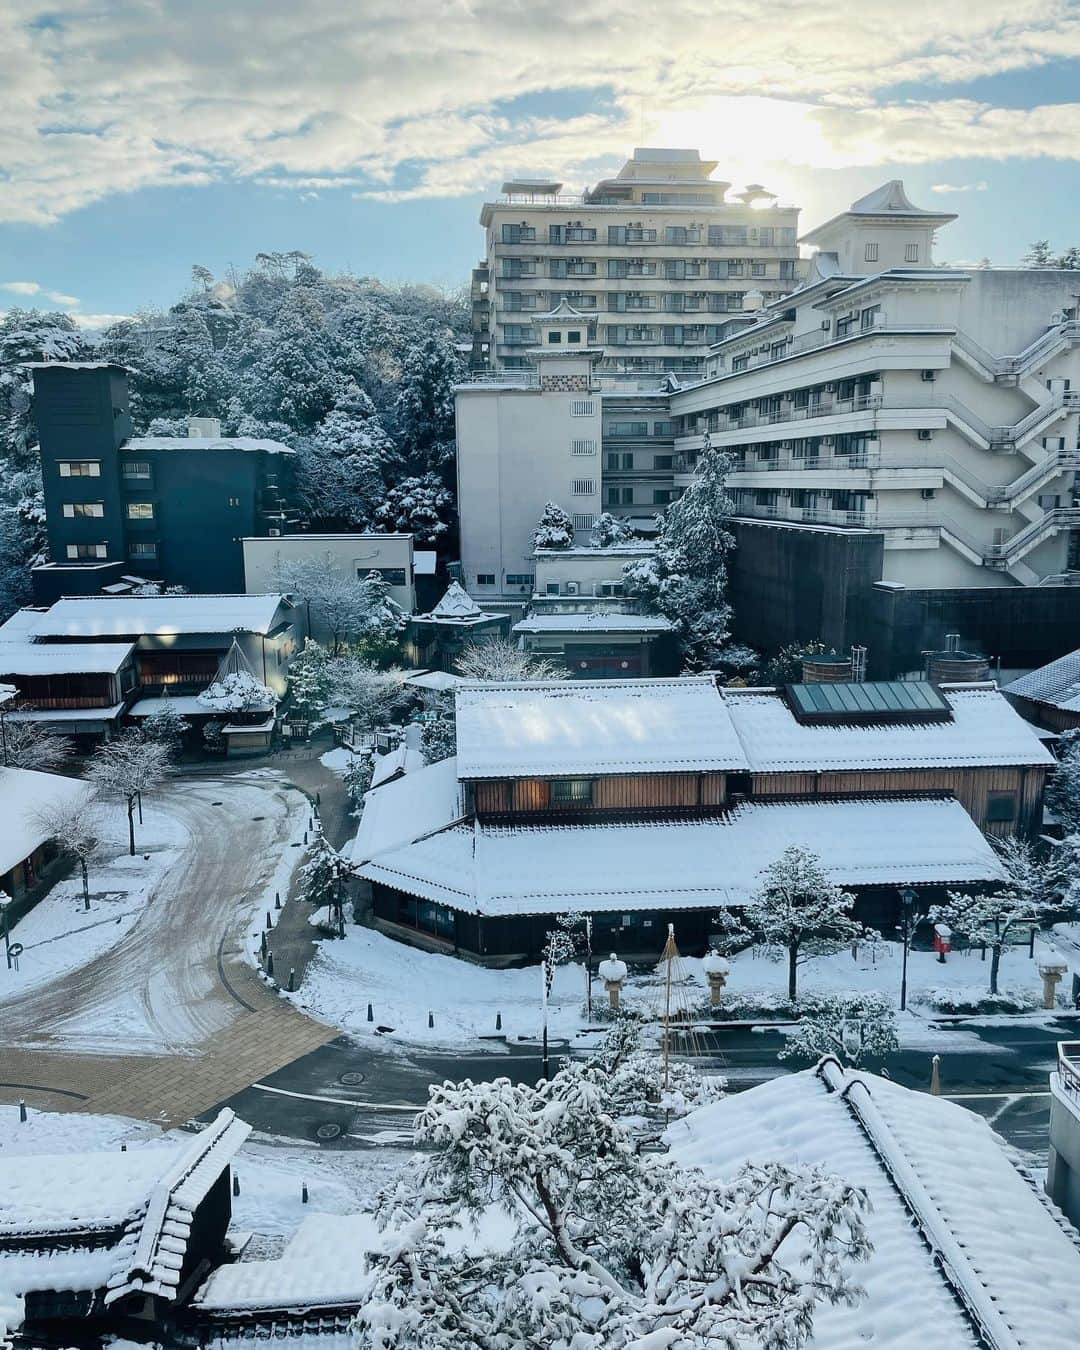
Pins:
x,y
328,1131
351,1077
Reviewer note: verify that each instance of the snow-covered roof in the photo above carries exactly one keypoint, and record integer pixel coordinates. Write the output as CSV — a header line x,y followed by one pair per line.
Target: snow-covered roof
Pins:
x,y
157,615
595,621
594,727
85,714
424,562
649,865
131,1213
456,603
984,731
407,808
24,794
322,1266
206,443
630,548
21,626
63,658
184,704
403,759
436,680
959,1236
1056,684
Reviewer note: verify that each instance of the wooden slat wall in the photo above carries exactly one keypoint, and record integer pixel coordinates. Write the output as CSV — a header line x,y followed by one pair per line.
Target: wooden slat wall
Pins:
x,y
618,792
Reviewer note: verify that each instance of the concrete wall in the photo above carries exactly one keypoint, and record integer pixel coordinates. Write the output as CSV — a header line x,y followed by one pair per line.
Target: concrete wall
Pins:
x,y
354,555
1063,1175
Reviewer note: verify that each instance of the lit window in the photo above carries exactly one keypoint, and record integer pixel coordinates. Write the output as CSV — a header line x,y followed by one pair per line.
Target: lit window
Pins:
x,y
572,791
80,468
136,469
84,510
140,510
80,552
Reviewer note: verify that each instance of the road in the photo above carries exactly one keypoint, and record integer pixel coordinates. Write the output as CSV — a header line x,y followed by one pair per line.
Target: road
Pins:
x,y
348,1095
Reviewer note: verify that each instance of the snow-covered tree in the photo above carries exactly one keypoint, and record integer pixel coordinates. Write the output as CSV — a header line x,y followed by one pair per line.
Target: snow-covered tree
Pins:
x,y
371,697
851,1027
420,506
1063,789
438,738
213,734
384,620
610,530
786,666
798,914
166,725
425,401
33,745
631,1075
555,528
127,768
318,878
347,607
686,578
78,828
237,692
1025,895
357,779
502,660
342,464
605,1247
308,676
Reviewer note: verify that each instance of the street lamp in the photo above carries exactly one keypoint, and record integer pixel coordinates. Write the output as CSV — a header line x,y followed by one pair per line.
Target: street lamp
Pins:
x,y
907,902
5,901
7,693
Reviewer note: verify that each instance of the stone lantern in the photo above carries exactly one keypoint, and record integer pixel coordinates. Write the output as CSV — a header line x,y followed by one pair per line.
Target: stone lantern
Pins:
x,y
1051,968
612,972
717,968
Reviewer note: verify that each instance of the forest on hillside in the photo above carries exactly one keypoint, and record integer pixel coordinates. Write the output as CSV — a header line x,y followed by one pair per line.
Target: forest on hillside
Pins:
x,y
356,376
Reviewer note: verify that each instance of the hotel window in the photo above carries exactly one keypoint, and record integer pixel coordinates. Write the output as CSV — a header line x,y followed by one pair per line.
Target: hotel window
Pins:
x,y
518,234
911,253
79,552
79,468
142,550
871,254
140,510
519,578
582,487
84,510
138,470
485,578
757,269
572,791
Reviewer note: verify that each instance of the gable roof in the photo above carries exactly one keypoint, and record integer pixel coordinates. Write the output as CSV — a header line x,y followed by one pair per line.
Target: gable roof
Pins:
x,y
984,730
1056,684
157,615
594,727
967,1252
887,202
25,795
456,603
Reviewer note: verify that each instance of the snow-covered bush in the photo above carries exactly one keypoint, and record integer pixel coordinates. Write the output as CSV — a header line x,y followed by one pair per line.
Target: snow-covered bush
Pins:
x,y
438,739
308,679
610,530
237,692
555,528
851,1027
357,779
166,725
213,734
503,660
32,745
971,1002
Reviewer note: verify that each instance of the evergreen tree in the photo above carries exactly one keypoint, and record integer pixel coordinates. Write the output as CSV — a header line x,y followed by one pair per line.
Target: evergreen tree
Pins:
x,y
165,725
318,878
610,530
357,779
555,528
425,401
849,1027
422,507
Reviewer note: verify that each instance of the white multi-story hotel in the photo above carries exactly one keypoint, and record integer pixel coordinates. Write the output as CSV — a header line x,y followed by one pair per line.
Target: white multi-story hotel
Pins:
x,y
936,405
657,257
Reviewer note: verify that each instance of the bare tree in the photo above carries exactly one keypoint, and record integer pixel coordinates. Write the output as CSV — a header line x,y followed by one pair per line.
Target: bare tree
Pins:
x,y
34,745
347,607
500,660
128,767
77,826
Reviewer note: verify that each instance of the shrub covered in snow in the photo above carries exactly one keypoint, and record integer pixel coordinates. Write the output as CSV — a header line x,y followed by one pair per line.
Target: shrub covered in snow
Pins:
x,y
850,1027
555,529
237,692
969,1002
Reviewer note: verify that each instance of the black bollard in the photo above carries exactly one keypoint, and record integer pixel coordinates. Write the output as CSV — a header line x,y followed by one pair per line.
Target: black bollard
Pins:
x,y
277,899
431,1019
22,1110
269,920
370,1014
262,945
303,1194
270,964
498,1021
235,1184
292,981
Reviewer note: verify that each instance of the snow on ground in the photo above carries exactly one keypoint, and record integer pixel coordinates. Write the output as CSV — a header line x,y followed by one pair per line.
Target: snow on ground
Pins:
x,y
338,760
58,935
404,984
293,852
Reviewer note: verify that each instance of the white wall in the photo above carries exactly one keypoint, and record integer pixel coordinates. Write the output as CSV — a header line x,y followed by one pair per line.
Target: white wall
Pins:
x,y
354,554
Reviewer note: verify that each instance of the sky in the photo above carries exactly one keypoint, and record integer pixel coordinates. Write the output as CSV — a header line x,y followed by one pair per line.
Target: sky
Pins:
x,y
140,137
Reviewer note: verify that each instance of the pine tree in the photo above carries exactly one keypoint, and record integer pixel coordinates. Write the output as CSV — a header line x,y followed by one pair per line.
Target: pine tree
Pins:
x,y
610,530
318,878
166,726
421,507
849,1027
555,528
308,676
425,402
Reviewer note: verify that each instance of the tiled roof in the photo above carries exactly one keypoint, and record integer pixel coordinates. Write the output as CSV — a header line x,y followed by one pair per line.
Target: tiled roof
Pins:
x,y
1057,684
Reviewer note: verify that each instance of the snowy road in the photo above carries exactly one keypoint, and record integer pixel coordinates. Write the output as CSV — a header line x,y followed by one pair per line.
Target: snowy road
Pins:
x,y
164,988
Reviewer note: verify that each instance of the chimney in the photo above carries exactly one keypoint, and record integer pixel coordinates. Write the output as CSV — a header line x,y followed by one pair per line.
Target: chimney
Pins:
x,y
208,428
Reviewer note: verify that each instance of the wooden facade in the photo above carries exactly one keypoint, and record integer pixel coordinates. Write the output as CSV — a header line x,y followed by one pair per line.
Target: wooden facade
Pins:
x,y
1044,714
1001,801
613,792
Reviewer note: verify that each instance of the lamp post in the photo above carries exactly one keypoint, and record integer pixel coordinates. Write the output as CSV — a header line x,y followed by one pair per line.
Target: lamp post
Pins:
x,y
907,902
5,901
7,693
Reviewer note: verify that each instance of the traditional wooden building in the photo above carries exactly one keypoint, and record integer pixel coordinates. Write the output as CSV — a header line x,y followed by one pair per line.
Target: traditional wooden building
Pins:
x,y
643,802
1049,696
78,688
27,846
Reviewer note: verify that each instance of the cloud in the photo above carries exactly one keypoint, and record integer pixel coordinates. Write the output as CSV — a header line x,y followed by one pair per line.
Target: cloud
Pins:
x,y
29,288
960,187
20,287
422,99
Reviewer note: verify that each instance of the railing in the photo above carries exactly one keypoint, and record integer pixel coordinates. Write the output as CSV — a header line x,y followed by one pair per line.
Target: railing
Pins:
x,y
1062,518
1069,331
780,348
796,463
1068,1058
504,379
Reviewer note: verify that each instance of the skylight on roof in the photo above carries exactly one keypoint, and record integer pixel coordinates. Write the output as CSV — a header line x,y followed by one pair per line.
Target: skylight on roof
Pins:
x,y
903,701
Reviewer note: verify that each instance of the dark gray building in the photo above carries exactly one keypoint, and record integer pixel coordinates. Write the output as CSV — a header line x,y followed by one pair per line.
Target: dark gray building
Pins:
x,y
172,509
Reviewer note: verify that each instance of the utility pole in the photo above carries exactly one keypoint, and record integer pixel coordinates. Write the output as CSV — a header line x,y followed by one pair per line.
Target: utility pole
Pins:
x,y
907,902
5,901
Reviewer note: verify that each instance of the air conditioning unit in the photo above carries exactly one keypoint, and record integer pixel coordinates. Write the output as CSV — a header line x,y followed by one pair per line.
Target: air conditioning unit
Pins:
x,y
928,494
826,325
572,588
925,434
929,376
273,534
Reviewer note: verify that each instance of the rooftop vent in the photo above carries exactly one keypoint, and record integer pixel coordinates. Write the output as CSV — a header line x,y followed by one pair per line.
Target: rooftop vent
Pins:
x,y
208,427
899,701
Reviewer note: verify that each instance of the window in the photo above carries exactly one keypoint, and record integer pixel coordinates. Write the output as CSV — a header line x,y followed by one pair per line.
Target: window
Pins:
x,y
627,461
663,461
627,494
727,234
485,578
582,487
574,335
758,269
610,588
630,234
552,588
140,510
871,254
584,521
518,267
234,501
682,234
572,791
870,317
661,496
613,496
140,550
80,468
735,267
787,269
663,429
1000,807
739,363
628,428
582,407
613,463
583,447
393,576
84,510
135,470
911,253
80,552
518,234
554,337
519,578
